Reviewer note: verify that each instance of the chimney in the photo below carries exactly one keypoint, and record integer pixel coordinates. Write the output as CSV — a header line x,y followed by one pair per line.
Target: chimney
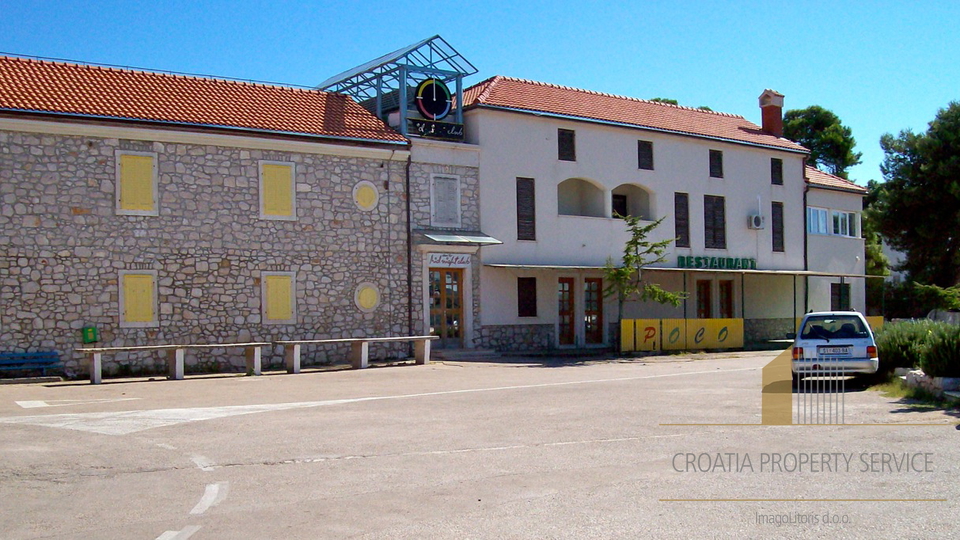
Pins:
x,y
771,109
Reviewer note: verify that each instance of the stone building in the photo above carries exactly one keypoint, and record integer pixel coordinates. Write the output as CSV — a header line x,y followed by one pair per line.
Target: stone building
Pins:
x,y
161,208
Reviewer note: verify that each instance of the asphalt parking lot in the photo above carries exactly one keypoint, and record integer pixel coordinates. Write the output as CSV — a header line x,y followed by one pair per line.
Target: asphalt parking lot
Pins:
x,y
635,448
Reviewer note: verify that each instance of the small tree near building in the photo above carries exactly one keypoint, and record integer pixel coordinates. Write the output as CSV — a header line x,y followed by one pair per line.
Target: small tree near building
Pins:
x,y
626,281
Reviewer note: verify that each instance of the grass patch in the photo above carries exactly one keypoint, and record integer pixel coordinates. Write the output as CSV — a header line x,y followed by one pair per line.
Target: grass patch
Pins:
x,y
917,398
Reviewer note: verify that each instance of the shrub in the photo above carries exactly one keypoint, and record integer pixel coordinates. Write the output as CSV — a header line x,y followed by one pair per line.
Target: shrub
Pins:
x,y
902,344
941,356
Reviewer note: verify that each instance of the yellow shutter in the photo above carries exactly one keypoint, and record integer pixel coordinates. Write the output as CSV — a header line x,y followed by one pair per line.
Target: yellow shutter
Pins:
x,y
136,183
138,298
277,188
279,298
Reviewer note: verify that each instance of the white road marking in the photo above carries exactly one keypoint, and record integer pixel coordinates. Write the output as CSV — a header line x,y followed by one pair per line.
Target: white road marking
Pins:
x,y
31,404
67,402
204,463
212,496
182,534
126,422
166,446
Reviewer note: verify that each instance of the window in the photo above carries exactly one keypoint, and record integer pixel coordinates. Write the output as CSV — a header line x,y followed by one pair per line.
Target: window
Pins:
x,y
566,145
526,209
526,297
138,299
137,183
714,222
681,219
776,220
645,155
716,164
776,171
278,292
277,200
839,297
817,221
620,205
845,224
444,201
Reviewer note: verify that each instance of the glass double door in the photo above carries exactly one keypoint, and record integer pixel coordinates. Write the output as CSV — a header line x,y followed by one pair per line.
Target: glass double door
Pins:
x,y
446,307
592,311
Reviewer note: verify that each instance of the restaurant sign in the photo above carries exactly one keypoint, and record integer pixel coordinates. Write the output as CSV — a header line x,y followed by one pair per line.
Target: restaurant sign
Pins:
x,y
716,263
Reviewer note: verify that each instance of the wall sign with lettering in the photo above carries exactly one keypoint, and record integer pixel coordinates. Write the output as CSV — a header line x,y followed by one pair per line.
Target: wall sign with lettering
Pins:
x,y
716,263
449,260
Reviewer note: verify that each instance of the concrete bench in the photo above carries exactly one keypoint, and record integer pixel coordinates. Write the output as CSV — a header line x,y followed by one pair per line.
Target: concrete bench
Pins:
x,y
174,356
359,349
42,360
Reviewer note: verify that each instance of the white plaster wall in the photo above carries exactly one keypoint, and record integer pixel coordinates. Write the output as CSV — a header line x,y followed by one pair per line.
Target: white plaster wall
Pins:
x,y
522,145
828,253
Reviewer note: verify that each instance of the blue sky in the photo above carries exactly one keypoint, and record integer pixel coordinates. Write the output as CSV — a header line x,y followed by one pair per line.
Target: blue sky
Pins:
x,y
881,66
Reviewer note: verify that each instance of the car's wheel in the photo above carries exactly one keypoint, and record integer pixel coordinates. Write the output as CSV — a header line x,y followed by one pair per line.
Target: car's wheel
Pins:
x,y
796,380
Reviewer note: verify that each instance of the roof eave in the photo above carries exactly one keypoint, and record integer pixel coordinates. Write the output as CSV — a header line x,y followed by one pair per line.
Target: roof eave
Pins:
x,y
211,127
854,191
535,112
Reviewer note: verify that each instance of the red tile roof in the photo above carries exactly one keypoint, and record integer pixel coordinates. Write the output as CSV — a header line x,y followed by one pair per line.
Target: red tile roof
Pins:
x,y
78,89
818,178
527,95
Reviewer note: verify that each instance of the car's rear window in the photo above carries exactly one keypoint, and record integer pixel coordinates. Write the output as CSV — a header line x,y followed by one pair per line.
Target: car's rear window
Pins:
x,y
833,327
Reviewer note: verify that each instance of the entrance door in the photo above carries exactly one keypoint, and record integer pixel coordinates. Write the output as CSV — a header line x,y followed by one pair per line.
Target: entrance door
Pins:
x,y
446,307
593,310
704,299
726,299
566,310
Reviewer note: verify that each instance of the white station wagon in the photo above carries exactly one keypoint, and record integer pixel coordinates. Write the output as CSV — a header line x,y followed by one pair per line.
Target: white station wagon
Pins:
x,y
834,343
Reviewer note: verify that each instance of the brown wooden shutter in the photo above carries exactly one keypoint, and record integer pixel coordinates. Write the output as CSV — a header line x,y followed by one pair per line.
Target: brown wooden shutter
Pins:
x,y
681,219
526,210
776,224
776,171
526,297
566,145
645,155
716,164
714,222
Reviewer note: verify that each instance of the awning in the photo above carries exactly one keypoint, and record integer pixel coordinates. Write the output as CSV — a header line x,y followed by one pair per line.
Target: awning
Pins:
x,y
473,238
544,266
809,273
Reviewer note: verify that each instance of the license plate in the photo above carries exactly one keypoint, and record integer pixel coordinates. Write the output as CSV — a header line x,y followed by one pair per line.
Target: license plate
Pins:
x,y
834,351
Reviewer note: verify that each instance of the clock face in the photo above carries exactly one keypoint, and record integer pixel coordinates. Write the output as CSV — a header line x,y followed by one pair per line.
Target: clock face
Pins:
x,y
433,99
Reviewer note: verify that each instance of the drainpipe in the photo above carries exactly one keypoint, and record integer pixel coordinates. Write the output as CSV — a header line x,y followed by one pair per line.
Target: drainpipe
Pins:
x,y
806,266
410,300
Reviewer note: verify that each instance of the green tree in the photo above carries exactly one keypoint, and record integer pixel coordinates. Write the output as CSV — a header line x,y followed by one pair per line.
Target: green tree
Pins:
x,y
626,281
919,205
830,142
665,100
876,263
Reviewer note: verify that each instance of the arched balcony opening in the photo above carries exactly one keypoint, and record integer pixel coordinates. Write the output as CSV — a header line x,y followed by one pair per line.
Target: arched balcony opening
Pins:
x,y
579,197
632,200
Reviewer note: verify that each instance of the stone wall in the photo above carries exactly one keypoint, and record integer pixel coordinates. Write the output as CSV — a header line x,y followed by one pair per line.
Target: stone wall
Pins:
x,y
518,337
761,331
63,246
420,175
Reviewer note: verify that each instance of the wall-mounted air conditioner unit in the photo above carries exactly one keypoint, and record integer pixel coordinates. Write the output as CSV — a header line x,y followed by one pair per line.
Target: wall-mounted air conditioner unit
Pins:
x,y
756,221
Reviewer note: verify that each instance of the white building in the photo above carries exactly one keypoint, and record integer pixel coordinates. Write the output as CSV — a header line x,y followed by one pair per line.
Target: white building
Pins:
x,y
556,163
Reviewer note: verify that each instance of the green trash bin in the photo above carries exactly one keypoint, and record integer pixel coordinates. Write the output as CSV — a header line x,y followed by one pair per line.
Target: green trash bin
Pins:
x,y
90,334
